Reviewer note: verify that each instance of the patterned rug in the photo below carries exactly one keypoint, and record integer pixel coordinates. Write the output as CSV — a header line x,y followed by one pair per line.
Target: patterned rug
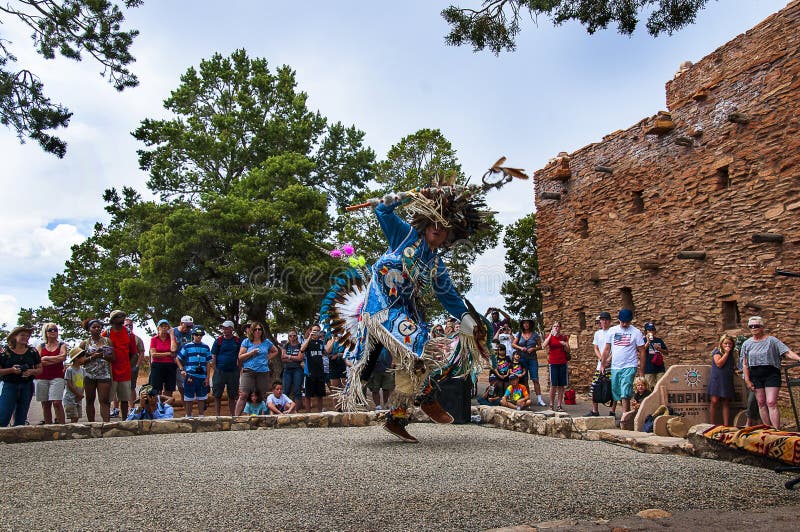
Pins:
x,y
760,440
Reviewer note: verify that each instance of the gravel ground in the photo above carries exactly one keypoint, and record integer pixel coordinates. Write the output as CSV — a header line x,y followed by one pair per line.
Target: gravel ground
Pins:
x,y
459,477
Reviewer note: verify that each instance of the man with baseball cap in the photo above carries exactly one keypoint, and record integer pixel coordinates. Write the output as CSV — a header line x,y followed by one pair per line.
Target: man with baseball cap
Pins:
x,y
193,363
603,364
655,350
179,337
625,344
125,350
225,361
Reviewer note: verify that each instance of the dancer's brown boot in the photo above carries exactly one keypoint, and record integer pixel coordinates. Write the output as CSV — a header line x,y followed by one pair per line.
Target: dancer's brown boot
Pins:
x,y
436,412
399,430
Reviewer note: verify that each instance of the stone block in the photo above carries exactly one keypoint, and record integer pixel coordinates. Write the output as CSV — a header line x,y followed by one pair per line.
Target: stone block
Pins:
x,y
205,424
583,424
170,426
654,513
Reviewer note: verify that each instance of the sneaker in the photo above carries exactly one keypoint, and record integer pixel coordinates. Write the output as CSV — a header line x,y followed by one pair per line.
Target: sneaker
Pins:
x,y
592,414
612,413
559,408
542,403
395,428
378,408
114,412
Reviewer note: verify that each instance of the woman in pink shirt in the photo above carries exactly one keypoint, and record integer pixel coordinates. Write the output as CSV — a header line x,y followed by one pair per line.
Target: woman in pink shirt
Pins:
x,y
50,383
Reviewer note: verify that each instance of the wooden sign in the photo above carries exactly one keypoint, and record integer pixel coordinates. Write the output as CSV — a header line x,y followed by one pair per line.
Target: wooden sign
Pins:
x,y
684,388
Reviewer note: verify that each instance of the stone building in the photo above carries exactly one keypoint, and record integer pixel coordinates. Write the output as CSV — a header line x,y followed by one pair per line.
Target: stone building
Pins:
x,y
686,216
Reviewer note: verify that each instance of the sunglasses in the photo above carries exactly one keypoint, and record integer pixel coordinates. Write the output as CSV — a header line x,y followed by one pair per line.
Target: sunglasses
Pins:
x,y
52,330
258,329
754,326
292,335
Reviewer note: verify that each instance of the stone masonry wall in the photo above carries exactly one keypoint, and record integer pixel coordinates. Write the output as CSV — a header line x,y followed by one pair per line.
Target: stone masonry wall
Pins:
x,y
686,215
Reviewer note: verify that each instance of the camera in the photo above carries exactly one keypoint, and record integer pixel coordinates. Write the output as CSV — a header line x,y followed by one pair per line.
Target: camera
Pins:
x,y
24,367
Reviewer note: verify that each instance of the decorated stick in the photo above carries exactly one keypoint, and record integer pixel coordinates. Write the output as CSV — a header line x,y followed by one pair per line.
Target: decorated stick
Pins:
x,y
489,181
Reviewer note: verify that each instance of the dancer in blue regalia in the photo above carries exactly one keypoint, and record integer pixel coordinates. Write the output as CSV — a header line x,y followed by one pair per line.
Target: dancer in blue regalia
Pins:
x,y
369,311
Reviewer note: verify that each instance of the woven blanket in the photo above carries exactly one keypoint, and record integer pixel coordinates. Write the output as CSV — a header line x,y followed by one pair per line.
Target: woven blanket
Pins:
x,y
760,440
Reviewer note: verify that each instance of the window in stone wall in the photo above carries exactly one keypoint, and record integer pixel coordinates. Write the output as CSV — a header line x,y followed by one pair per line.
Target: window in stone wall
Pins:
x,y
723,178
582,320
627,298
637,204
583,227
730,315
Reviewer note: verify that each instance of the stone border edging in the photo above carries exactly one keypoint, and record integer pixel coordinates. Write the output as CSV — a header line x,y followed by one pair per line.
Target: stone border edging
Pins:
x,y
78,431
554,425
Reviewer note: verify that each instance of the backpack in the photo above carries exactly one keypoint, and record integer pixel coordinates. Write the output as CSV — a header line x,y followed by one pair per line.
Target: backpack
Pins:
x,y
220,338
601,392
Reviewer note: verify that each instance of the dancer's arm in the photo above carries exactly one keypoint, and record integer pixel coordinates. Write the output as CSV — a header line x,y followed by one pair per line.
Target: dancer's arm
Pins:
x,y
395,228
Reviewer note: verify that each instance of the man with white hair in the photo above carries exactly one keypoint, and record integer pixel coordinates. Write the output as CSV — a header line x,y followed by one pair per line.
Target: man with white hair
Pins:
x,y
761,364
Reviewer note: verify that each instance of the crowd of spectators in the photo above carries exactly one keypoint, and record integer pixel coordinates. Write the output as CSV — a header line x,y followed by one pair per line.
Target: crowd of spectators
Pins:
x,y
260,375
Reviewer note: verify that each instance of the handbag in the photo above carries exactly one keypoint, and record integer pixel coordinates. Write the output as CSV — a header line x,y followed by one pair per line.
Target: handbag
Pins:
x,y
601,392
570,397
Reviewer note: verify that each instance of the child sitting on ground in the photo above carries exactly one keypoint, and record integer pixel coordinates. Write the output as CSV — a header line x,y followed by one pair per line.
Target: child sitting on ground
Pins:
x,y
640,390
73,393
493,393
255,406
516,395
277,403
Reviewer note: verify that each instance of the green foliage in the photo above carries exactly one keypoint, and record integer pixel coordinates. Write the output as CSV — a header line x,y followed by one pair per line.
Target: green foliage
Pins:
x,y
233,114
244,173
70,28
4,330
497,23
521,291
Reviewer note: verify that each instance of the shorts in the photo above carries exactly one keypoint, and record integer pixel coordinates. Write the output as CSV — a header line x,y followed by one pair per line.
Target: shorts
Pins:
x,y
558,375
532,365
315,386
652,379
121,391
761,377
622,383
50,389
73,410
194,389
225,379
95,382
162,376
381,380
254,380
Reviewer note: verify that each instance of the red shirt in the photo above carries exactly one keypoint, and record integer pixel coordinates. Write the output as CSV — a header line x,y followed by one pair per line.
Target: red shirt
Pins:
x,y
124,345
161,346
557,355
53,371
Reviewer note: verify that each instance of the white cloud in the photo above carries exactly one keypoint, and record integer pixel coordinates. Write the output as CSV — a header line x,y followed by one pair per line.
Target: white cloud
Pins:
x,y
8,310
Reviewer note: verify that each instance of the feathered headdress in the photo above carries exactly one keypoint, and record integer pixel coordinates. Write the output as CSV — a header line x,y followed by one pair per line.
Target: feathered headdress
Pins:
x,y
460,209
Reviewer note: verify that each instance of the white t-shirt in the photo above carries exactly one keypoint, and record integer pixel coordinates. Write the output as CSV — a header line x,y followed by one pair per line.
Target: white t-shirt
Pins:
x,y
624,342
506,339
281,403
601,338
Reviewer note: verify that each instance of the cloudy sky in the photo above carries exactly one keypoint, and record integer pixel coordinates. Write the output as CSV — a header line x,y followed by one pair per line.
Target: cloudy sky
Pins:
x,y
381,66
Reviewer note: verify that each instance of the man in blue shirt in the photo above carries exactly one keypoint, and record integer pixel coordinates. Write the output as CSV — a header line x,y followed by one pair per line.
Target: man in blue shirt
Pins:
x,y
225,360
193,362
